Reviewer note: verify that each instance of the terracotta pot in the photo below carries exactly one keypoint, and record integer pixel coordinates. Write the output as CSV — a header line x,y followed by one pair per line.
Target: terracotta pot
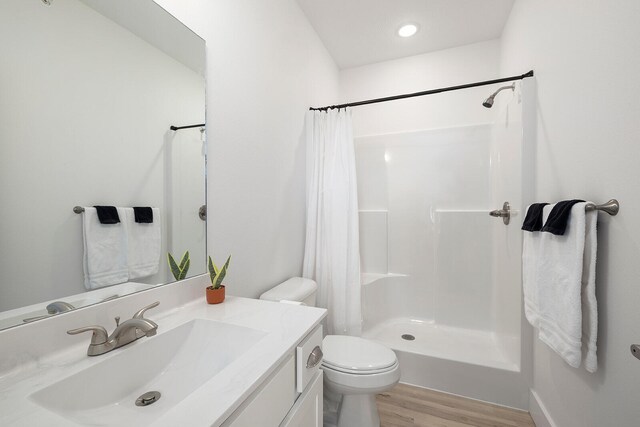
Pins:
x,y
215,296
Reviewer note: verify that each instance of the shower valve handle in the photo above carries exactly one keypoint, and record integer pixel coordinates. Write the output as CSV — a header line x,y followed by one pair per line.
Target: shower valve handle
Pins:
x,y
504,213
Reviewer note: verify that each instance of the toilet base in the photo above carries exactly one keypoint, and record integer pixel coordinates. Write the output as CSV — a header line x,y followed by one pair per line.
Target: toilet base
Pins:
x,y
358,410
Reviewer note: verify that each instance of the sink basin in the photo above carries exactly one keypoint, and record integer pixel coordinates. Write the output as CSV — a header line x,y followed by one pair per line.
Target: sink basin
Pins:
x,y
175,363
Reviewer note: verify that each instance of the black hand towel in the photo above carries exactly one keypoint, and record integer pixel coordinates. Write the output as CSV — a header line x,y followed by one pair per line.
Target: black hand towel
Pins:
x,y
558,217
143,215
107,214
533,220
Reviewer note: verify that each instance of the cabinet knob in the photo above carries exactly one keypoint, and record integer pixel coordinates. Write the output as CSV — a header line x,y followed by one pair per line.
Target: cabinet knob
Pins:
x,y
315,357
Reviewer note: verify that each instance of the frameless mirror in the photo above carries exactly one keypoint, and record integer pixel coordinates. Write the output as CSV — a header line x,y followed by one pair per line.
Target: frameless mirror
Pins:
x,y
89,90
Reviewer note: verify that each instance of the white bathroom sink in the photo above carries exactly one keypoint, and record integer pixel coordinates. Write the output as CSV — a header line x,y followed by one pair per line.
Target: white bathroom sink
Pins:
x,y
175,363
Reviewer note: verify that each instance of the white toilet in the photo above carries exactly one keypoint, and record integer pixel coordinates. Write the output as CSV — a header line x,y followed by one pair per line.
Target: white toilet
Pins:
x,y
353,367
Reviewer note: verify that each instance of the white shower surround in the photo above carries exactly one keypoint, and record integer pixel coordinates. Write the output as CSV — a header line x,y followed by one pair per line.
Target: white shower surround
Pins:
x,y
435,264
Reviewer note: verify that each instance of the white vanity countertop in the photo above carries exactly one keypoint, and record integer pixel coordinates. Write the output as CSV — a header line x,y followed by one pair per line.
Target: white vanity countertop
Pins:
x,y
209,405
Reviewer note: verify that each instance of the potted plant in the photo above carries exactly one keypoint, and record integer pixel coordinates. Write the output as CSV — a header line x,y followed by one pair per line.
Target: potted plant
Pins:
x,y
179,271
215,292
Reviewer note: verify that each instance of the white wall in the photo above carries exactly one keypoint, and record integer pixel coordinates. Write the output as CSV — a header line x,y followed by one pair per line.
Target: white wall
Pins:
x,y
585,55
84,111
433,70
266,66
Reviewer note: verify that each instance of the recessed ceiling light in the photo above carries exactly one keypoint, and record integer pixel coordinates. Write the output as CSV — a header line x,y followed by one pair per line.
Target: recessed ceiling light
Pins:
x,y
408,30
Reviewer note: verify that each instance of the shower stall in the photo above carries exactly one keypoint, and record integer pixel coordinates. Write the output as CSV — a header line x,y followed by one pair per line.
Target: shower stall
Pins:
x,y
440,275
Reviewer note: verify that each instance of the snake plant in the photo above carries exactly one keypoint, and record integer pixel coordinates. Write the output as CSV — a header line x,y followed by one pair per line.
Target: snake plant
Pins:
x,y
179,271
217,274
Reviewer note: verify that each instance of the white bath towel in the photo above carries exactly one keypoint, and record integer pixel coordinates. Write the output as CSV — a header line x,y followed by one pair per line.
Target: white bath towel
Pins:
x,y
531,250
589,303
144,244
559,286
105,251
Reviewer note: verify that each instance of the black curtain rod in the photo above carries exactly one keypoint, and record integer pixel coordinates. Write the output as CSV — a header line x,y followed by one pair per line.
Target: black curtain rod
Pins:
x,y
426,92
187,127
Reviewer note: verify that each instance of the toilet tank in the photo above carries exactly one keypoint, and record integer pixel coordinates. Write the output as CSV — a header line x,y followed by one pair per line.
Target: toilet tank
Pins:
x,y
296,289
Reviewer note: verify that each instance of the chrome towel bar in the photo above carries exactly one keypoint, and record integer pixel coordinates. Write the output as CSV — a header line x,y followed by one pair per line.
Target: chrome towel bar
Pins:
x,y
612,207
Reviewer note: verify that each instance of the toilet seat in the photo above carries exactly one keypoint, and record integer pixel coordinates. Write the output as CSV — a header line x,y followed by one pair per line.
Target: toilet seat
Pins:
x,y
356,356
358,372
361,383
326,365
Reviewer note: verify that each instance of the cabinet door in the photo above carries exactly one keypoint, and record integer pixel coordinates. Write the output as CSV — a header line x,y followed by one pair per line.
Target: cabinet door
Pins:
x,y
305,372
268,406
307,412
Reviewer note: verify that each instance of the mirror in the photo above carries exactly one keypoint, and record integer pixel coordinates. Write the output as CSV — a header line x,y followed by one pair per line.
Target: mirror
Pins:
x,y
90,89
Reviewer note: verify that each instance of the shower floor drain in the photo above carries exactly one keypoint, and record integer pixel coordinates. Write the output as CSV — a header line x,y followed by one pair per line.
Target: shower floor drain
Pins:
x,y
408,337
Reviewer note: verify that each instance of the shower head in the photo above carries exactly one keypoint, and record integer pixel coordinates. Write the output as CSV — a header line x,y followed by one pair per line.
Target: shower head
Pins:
x,y
488,103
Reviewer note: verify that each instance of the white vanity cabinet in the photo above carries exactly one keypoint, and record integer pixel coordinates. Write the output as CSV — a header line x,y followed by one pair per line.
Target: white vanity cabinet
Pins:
x,y
292,395
242,363
307,411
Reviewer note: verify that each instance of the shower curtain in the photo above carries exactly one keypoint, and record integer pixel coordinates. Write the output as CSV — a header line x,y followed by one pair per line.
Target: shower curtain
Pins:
x,y
332,252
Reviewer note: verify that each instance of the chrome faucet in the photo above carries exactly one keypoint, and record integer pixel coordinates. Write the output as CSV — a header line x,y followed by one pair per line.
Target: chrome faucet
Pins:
x,y
58,307
125,332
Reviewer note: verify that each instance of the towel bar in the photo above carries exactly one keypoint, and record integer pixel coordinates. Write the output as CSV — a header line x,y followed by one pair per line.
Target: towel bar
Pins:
x,y
612,207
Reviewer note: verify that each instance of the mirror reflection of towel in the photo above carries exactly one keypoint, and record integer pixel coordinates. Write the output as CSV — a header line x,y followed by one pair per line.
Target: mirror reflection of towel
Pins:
x,y
144,241
107,214
143,215
105,251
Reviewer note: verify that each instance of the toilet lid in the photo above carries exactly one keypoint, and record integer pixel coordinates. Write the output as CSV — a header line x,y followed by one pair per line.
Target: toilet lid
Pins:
x,y
356,355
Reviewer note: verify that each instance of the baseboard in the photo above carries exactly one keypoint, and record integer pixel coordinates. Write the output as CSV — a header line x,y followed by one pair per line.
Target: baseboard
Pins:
x,y
539,412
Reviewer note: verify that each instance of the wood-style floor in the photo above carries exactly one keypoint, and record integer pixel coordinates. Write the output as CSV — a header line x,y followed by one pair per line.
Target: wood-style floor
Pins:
x,y
408,406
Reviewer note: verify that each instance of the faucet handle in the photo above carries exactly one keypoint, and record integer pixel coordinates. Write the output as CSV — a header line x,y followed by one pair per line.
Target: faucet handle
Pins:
x,y
140,313
99,334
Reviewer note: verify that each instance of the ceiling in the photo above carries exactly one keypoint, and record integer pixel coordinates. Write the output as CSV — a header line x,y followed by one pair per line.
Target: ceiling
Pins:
x,y
360,32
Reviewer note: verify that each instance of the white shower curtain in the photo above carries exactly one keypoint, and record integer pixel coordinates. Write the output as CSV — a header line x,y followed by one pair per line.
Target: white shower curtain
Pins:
x,y
332,250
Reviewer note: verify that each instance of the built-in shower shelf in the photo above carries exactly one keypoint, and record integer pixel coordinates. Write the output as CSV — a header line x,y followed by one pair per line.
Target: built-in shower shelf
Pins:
x,y
369,278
